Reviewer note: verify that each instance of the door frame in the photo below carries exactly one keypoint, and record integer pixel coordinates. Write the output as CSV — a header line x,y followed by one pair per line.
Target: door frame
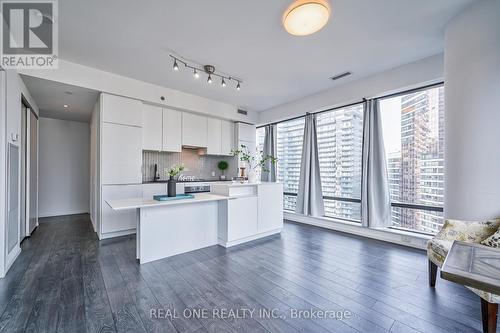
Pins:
x,y
29,111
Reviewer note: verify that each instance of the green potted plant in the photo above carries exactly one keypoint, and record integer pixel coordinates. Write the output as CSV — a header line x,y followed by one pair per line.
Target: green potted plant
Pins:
x,y
171,184
254,161
222,165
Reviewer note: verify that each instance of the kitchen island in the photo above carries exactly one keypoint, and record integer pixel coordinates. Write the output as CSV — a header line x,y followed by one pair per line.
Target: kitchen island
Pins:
x,y
232,213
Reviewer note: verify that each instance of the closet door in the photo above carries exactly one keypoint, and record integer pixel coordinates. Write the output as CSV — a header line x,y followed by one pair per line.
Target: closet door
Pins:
x,y
33,172
13,198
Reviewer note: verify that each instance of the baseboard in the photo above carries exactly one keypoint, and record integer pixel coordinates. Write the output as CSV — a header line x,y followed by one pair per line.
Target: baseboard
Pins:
x,y
9,264
400,238
55,214
222,242
116,234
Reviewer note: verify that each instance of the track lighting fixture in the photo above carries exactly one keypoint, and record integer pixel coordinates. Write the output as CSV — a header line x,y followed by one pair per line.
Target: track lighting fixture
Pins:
x,y
208,69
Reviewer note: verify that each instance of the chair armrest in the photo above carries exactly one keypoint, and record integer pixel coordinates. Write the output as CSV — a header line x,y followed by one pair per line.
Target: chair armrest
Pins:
x,y
467,231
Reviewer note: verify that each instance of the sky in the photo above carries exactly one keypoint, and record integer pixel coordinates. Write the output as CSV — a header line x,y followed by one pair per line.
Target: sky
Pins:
x,y
391,123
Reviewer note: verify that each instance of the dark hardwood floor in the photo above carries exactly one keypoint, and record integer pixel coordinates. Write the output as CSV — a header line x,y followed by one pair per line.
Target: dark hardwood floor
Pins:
x,y
65,280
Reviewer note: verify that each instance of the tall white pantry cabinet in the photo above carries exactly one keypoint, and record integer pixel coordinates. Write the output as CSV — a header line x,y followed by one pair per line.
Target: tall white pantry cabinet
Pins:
x,y
121,128
121,137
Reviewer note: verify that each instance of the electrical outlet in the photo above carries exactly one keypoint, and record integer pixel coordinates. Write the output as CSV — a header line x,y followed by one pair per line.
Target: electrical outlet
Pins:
x,y
406,239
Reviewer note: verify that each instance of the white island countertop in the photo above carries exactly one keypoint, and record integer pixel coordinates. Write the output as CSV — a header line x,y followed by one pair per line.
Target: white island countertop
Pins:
x,y
235,183
135,203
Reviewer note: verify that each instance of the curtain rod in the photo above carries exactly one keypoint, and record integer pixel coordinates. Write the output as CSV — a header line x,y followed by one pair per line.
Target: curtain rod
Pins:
x,y
362,101
317,112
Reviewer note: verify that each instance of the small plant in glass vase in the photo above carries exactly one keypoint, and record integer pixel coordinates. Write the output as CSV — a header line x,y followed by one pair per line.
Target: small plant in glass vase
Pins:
x,y
172,184
254,161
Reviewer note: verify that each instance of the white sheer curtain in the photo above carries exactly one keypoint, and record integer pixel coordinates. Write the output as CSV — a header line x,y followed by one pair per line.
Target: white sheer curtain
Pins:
x,y
269,148
310,196
375,199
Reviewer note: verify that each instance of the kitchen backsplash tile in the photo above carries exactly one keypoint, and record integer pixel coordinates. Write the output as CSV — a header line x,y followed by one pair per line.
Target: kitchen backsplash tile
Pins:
x,y
200,166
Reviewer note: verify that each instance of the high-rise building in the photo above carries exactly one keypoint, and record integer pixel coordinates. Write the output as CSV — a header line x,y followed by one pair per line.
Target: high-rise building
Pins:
x,y
289,152
416,173
394,179
340,144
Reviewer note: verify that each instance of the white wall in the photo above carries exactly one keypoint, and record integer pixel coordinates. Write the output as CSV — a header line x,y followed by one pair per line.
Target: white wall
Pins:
x,y
10,120
472,118
88,77
64,180
412,75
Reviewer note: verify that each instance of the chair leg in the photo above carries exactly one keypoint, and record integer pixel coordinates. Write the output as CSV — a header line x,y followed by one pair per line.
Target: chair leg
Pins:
x,y
489,315
432,274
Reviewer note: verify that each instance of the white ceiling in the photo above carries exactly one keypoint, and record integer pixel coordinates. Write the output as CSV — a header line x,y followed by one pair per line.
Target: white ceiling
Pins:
x,y
246,39
51,97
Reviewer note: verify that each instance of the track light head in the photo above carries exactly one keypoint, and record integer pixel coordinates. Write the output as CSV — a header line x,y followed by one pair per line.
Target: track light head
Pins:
x,y
238,87
209,80
223,83
176,67
195,74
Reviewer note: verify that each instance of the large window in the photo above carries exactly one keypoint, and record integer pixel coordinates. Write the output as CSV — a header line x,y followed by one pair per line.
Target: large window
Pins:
x,y
413,131
340,144
289,153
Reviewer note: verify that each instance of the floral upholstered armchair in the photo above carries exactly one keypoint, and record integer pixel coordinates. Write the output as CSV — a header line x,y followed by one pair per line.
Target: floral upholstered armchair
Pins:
x,y
485,233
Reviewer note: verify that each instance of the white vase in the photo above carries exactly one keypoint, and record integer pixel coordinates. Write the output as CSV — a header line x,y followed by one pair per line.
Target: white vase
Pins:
x,y
252,176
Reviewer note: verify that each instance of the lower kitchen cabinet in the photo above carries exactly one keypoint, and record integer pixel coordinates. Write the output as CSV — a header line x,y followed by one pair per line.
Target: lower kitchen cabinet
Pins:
x,y
270,207
149,190
242,218
117,223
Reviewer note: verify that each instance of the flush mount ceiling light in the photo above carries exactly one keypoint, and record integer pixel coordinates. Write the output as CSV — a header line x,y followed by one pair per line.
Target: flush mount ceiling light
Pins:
x,y
305,17
208,69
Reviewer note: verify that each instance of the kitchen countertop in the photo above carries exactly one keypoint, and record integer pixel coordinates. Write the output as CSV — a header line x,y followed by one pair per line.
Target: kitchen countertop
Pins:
x,y
141,203
239,184
187,181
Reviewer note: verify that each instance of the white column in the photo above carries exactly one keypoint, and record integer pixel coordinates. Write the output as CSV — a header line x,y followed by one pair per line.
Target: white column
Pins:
x,y
472,125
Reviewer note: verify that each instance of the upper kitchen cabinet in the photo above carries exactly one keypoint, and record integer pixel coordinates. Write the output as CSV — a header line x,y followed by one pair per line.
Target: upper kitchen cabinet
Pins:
x,y
121,110
214,136
161,129
227,137
172,130
194,130
121,155
152,119
245,132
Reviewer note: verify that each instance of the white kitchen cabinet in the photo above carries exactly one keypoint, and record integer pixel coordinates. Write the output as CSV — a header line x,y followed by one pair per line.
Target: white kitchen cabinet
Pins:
x,y
270,204
152,127
214,136
194,130
246,132
121,156
241,218
227,137
172,130
121,110
149,190
118,221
